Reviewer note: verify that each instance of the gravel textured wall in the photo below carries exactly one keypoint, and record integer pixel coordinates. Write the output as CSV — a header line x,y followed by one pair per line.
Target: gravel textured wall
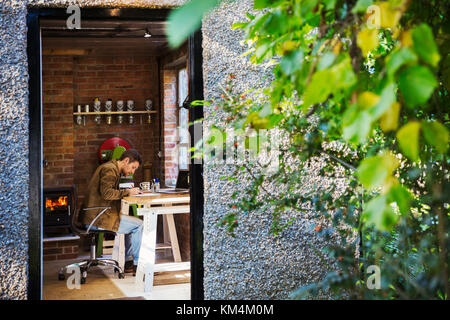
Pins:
x,y
13,150
14,133
254,264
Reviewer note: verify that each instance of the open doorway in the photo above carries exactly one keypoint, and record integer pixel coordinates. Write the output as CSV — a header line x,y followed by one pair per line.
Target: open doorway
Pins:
x,y
117,55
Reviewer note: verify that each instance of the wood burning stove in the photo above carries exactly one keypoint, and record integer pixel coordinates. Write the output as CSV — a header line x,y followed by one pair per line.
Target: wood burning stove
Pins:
x,y
58,206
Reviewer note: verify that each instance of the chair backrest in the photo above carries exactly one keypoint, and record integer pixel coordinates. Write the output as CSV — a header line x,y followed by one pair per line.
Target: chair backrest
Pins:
x,y
117,152
74,223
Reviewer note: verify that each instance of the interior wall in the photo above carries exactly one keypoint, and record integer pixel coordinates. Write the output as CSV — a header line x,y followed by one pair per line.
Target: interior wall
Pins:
x,y
71,150
170,64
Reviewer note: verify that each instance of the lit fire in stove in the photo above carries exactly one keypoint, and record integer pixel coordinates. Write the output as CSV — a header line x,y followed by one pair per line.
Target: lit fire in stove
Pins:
x,y
52,203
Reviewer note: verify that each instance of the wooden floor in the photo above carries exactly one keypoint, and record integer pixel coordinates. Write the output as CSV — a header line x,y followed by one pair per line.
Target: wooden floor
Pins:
x,y
97,287
171,281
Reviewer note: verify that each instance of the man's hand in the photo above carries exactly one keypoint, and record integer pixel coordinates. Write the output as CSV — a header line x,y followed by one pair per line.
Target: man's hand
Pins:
x,y
134,191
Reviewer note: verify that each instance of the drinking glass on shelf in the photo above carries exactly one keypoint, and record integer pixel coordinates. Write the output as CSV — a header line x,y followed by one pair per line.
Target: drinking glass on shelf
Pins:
x,y
130,107
120,108
148,107
97,108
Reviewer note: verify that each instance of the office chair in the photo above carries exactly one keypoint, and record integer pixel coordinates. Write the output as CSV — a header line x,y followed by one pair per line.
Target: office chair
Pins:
x,y
78,229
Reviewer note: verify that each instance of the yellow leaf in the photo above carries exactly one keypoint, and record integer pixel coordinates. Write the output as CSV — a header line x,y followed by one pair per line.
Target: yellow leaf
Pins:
x,y
368,99
390,161
389,119
406,39
367,40
390,14
289,46
337,48
388,183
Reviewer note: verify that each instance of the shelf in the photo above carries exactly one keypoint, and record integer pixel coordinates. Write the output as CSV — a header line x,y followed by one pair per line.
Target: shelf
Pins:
x,y
112,112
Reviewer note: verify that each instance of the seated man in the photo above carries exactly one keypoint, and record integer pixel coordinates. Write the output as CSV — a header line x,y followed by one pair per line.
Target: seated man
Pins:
x,y
103,190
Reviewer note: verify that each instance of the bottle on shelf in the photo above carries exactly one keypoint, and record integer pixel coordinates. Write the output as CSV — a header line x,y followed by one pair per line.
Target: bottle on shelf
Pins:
x,y
97,108
108,108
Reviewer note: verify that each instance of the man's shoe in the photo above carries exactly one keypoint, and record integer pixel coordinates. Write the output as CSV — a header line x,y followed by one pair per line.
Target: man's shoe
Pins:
x,y
129,267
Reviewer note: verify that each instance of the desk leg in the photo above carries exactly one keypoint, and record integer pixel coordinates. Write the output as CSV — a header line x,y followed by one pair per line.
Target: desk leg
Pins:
x,y
173,238
146,264
119,250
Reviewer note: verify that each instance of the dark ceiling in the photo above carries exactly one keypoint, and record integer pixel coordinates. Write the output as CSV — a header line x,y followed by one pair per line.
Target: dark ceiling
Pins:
x,y
105,34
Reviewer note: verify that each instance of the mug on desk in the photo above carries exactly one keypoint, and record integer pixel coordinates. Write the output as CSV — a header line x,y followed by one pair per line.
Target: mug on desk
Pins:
x,y
145,186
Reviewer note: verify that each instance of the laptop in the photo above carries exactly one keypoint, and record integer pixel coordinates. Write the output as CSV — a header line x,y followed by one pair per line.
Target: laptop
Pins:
x,y
182,185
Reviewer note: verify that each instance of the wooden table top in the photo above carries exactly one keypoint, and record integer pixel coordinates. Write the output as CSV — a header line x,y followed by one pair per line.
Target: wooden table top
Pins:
x,y
159,198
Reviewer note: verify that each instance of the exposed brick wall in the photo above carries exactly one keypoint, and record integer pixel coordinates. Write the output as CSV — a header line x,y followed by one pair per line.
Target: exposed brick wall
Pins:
x,y
58,149
118,78
59,250
71,151
170,126
169,77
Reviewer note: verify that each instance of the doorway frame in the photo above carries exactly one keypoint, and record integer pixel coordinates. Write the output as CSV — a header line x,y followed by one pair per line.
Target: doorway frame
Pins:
x,y
34,54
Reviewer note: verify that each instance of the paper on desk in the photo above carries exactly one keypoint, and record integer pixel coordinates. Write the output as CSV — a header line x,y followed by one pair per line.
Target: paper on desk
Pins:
x,y
145,195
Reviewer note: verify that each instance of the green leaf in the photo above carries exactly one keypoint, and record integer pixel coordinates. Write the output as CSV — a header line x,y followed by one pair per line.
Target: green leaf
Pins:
x,y
371,172
274,119
325,61
319,88
262,50
329,4
436,134
261,4
399,58
306,9
361,6
416,84
265,111
379,213
387,98
374,171
357,125
184,21
239,25
402,197
424,44
408,140
327,81
343,75
291,62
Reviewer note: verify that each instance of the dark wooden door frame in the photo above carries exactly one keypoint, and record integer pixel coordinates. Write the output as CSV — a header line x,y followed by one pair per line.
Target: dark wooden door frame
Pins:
x,y
34,158
35,137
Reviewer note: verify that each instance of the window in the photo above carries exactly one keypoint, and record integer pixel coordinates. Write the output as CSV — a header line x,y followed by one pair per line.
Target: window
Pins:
x,y
183,118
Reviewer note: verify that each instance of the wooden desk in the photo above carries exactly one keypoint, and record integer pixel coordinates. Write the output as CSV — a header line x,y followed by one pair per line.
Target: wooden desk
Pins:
x,y
154,204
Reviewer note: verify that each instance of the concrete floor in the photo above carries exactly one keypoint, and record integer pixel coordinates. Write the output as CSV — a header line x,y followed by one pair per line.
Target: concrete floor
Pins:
x,y
103,283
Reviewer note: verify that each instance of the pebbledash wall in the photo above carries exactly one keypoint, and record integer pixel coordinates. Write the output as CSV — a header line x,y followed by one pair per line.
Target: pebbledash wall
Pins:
x,y
253,265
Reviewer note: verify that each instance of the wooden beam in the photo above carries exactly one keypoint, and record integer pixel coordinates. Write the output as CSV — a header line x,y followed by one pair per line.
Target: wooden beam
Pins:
x,y
105,23
65,52
91,42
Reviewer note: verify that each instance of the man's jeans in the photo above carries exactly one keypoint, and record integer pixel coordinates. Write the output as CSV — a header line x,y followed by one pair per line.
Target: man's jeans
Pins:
x,y
132,228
